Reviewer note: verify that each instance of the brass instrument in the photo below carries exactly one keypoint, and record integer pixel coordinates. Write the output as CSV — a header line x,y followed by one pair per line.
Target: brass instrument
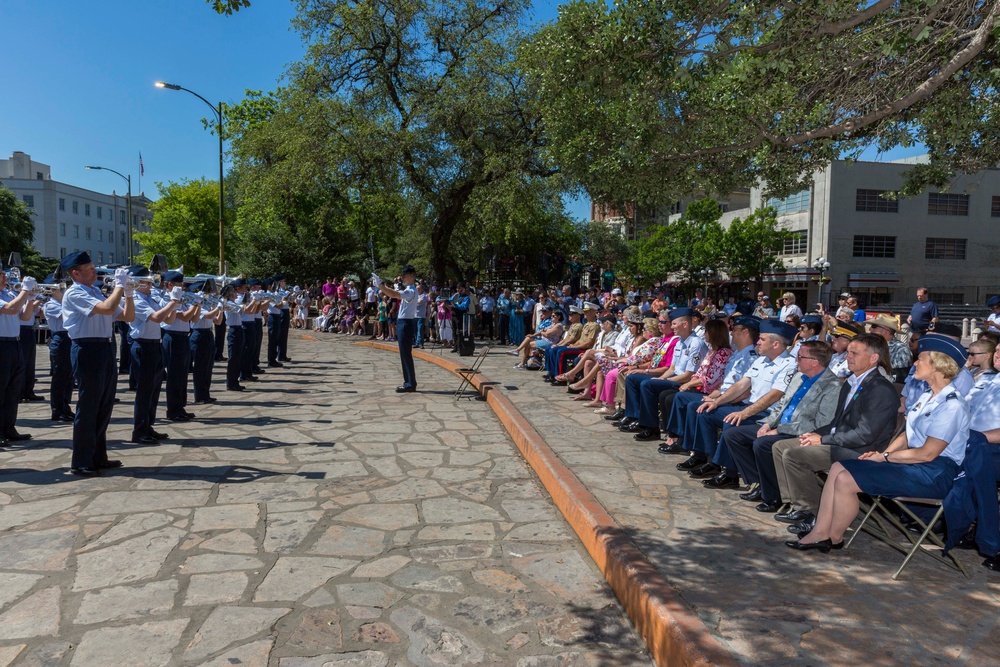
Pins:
x,y
47,290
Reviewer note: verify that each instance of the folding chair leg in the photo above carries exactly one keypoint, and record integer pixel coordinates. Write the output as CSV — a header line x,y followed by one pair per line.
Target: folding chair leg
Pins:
x,y
868,514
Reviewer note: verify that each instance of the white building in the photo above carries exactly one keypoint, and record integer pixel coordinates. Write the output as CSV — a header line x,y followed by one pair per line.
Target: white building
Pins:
x,y
68,218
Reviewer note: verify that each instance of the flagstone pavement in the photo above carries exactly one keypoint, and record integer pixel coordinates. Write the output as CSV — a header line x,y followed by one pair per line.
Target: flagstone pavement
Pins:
x,y
319,519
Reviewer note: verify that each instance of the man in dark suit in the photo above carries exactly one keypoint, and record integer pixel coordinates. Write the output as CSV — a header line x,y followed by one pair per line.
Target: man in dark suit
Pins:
x,y
858,426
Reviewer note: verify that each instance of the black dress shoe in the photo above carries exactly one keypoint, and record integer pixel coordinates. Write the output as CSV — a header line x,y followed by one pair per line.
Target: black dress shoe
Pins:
x,y
405,390
795,516
159,436
691,462
573,390
617,415
109,465
675,448
822,546
800,526
771,507
992,563
144,440
722,481
234,387
211,399
753,496
275,364
179,418
646,435
258,369
189,415
624,421
706,470
63,418
85,472
34,397
250,378
558,383
836,547
17,437
286,359
546,378
221,359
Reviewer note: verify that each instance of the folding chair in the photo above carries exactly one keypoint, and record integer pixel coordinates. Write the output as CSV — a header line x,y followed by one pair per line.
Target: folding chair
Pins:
x,y
467,374
915,543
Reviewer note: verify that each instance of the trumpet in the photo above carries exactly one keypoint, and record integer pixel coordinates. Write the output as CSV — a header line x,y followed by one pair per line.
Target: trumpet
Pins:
x,y
47,290
131,283
227,306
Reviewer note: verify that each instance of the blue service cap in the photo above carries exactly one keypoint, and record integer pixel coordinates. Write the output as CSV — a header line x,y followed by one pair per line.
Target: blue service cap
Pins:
x,y
932,342
268,282
50,279
196,287
173,277
748,321
779,328
239,282
811,319
994,301
408,269
253,281
137,271
680,312
279,276
75,259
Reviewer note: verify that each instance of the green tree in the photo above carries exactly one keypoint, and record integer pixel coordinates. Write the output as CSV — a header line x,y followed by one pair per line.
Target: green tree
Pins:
x,y
185,226
648,101
605,247
751,246
17,231
684,246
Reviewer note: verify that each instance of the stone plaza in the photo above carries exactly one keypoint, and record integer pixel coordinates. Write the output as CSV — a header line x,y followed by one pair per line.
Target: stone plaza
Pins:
x,y
318,519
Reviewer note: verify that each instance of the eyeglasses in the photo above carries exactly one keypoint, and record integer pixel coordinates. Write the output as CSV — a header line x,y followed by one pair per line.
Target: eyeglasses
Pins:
x,y
663,321
801,358
977,354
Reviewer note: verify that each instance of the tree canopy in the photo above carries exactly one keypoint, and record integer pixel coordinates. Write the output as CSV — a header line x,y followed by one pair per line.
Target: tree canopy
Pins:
x,y
647,100
185,226
17,231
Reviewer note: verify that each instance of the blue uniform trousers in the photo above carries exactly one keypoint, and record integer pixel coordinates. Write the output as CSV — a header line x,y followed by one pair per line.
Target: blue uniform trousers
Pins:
x,y
405,332
220,341
273,337
753,457
678,412
555,358
642,398
124,350
61,388
147,364
235,339
11,376
28,352
176,364
286,322
701,434
96,374
258,341
203,356
246,359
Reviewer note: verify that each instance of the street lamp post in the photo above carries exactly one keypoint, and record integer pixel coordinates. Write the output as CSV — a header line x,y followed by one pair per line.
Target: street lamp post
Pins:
x,y
823,267
706,275
218,115
128,204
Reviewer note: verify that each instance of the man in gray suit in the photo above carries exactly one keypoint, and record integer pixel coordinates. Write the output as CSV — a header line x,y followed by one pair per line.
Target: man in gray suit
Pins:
x,y
809,401
858,426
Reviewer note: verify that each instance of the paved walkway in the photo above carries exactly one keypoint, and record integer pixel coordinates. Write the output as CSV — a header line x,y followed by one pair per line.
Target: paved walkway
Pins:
x,y
320,519
766,604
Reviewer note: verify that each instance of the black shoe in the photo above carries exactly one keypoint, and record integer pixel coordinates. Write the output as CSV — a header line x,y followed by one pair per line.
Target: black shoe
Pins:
x,y
646,435
221,359
992,563
671,449
235,387
258,369
159,436
62,418
617,415
34,397
795,516
801,525
109,465
189,415
722,481
770,507
405,390
706,470
250,378
823,546
572,390
275,364
85,472
546,378
284,359
559,383
624,422
14,436
144,440
691,463
836,547
752,496
179,418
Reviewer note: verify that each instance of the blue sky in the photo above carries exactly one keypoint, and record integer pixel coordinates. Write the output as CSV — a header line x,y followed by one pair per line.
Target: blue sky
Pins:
x,y
78,82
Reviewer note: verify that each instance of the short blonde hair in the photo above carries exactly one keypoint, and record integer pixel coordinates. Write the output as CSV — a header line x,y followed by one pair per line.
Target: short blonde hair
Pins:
x,y
651,324
944,365
789,296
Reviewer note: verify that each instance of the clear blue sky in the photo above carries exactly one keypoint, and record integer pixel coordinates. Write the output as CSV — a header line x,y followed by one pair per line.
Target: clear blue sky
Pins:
x,y
78,83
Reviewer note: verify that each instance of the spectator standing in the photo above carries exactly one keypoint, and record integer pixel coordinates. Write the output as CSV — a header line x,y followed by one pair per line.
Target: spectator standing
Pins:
x,y
924,312
789,307
859,314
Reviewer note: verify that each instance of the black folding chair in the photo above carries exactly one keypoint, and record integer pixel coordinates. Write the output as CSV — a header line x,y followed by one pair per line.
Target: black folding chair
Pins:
x,y
467,374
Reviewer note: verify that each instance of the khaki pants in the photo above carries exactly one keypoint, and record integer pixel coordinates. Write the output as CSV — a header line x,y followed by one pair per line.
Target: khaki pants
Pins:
x,y
620,386
797,466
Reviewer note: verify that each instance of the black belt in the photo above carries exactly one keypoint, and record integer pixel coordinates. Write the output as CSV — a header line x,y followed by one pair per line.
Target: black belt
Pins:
x,y
27,326
146,340
235,326
9,339
176,333
93,340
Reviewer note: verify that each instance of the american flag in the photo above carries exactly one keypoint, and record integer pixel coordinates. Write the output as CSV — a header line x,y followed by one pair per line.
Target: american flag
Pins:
x,y
142,171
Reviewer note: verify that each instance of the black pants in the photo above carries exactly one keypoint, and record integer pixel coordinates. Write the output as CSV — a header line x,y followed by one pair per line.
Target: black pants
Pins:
x,y
61,389
487,324
754,459
249,341
124,350
28,353
258,341
203,356
286,321
406,331
147,364
503,324
273,337
177,365
95,371
235,338
220,341
11,378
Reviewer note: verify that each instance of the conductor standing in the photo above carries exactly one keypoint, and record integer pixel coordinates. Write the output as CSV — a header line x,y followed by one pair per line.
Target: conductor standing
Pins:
x,y
406,323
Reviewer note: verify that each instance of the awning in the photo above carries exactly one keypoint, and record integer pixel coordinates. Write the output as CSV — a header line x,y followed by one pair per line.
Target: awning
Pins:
x,y
873,279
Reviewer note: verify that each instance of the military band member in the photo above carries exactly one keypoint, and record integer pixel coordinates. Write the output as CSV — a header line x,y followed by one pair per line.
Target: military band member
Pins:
x,y
250,306
203,349
234,292
61,368
257,285
286,317
147,355
28,348
88,317
273,327
177,350
406,326
11,371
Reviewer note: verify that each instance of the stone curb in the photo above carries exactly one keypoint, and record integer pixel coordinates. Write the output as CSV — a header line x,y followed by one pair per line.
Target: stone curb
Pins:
x,y
674,634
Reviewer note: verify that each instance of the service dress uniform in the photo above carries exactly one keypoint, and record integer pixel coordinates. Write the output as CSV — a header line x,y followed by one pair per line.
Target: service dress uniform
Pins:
x,y
203,355
249,342
406,333
286,321
273,334
61,368
29,352
11,367
234,323
147,365
176,359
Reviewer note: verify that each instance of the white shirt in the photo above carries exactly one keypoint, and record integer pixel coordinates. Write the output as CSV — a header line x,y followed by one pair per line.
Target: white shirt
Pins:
x,y
53,315
945,417
78,313
838,365
766,375
984,402
371,294
408,303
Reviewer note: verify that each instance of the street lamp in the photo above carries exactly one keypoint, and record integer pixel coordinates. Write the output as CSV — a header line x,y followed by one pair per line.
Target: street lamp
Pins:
x,y
218,115
706,275
128,204
823,267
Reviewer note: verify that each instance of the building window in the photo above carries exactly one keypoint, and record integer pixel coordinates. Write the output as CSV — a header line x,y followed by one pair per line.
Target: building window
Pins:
x,y
874,246
941,248
947,298
62,229
62,203
875,201
39,176
99,212
797,244
62,252
100,257
88,233
111,258
100,234
121,218
86,210
795,203
76,208
111,237
76,231
995,207
29,200
947,204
